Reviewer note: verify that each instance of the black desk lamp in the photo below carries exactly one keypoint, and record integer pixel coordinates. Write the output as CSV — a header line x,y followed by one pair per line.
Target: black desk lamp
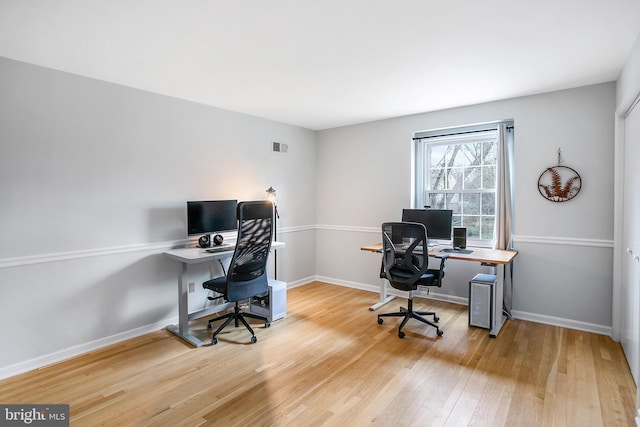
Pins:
x,y
271,196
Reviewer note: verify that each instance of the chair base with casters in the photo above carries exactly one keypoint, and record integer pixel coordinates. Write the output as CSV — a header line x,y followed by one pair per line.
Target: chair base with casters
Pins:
x,y
238,316
410,313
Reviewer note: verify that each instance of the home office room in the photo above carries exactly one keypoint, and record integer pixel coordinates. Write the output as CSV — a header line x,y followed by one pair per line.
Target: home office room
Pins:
x,y
116,117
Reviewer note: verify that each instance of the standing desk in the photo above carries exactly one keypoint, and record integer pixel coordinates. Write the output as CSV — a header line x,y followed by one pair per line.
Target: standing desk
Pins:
x,y
497,258
187,256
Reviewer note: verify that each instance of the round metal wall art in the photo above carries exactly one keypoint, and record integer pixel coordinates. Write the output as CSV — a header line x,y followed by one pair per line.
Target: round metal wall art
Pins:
x,y
559,183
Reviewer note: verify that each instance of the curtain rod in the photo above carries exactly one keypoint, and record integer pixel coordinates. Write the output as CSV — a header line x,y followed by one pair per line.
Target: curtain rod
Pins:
x,y
440,135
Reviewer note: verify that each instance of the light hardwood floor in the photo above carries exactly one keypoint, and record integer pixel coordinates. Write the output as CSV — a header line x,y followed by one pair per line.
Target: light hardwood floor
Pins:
x,y
329,363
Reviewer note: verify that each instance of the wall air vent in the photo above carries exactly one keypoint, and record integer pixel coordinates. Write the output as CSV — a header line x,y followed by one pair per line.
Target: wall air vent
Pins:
x,y
279,147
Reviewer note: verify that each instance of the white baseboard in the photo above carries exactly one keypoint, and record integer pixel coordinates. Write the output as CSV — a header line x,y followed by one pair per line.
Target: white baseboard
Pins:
x,y
348,284
77,350
391,291
521,315
562,322
300,282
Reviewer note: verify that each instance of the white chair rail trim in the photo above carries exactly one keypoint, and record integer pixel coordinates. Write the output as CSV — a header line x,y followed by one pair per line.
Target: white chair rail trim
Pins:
x,y
546,240
569,241
157,247
86,253
162,246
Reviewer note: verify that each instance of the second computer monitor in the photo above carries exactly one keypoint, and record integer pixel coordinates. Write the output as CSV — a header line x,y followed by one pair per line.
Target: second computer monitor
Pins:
x,y
437,221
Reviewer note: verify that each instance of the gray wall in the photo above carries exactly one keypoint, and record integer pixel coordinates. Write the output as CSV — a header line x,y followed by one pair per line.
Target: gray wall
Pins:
x,y
93,183
563,274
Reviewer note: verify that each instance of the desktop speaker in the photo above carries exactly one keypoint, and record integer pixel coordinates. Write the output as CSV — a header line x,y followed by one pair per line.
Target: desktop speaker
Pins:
x,y
218,239
460,237
203,241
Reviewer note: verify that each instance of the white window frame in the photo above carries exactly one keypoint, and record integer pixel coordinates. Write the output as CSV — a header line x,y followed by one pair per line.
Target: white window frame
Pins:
x,y
422,175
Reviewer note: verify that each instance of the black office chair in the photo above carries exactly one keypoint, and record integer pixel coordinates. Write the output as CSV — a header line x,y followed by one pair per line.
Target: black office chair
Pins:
x,y
247,274
405,266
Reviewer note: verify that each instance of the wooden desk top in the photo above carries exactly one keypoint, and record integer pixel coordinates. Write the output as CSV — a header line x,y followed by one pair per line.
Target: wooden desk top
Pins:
x,y
493,256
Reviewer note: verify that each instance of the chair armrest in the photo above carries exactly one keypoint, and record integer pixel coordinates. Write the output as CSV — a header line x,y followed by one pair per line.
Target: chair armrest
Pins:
x,y
443,259
440,272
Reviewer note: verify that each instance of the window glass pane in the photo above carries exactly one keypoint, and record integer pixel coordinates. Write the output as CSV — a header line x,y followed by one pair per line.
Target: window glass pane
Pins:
x,y
488,224
488,177
455,179
438,156
474,153
489,153
473,178
436,201
453,202
456,221
488,204
457,156
473,226
471,204
438,181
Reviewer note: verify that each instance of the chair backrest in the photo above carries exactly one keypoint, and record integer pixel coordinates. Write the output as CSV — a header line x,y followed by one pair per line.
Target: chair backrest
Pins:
x,y
405,255
247,274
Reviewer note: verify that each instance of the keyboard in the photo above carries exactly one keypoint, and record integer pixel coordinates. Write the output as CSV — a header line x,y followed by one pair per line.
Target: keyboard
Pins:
x,y
456,250
221,248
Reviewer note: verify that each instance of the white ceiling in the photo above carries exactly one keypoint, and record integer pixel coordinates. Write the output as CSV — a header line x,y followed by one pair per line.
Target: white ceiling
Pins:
x,y
326,63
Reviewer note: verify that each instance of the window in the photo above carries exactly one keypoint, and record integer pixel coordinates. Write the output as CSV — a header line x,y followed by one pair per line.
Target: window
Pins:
x,y
456,169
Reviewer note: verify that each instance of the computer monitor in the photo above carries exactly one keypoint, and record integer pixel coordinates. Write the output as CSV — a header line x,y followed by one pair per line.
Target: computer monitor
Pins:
x,y
437,221
211,216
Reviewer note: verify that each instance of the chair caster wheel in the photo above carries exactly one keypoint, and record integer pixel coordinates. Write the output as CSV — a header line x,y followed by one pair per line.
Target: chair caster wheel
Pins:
x,y
380,320
401,334
440,332
214,341
267,324
436,319
254,339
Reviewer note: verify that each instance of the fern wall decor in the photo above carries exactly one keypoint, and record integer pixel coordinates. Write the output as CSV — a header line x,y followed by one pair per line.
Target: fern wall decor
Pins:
x,y
559,183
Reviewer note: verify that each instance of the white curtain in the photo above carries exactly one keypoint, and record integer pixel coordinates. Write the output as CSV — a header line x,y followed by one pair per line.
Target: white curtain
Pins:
x,y
504,214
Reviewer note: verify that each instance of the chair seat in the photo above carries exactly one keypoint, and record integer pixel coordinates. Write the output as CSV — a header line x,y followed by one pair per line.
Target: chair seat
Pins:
x,y
217,284
427,279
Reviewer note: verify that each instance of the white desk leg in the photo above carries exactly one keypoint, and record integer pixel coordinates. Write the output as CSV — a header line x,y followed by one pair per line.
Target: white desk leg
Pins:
x,y
384,298
498,317
182,330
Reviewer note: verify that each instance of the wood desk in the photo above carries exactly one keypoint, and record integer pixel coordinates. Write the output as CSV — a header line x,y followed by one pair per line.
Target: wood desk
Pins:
x,y
187,256
497,258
